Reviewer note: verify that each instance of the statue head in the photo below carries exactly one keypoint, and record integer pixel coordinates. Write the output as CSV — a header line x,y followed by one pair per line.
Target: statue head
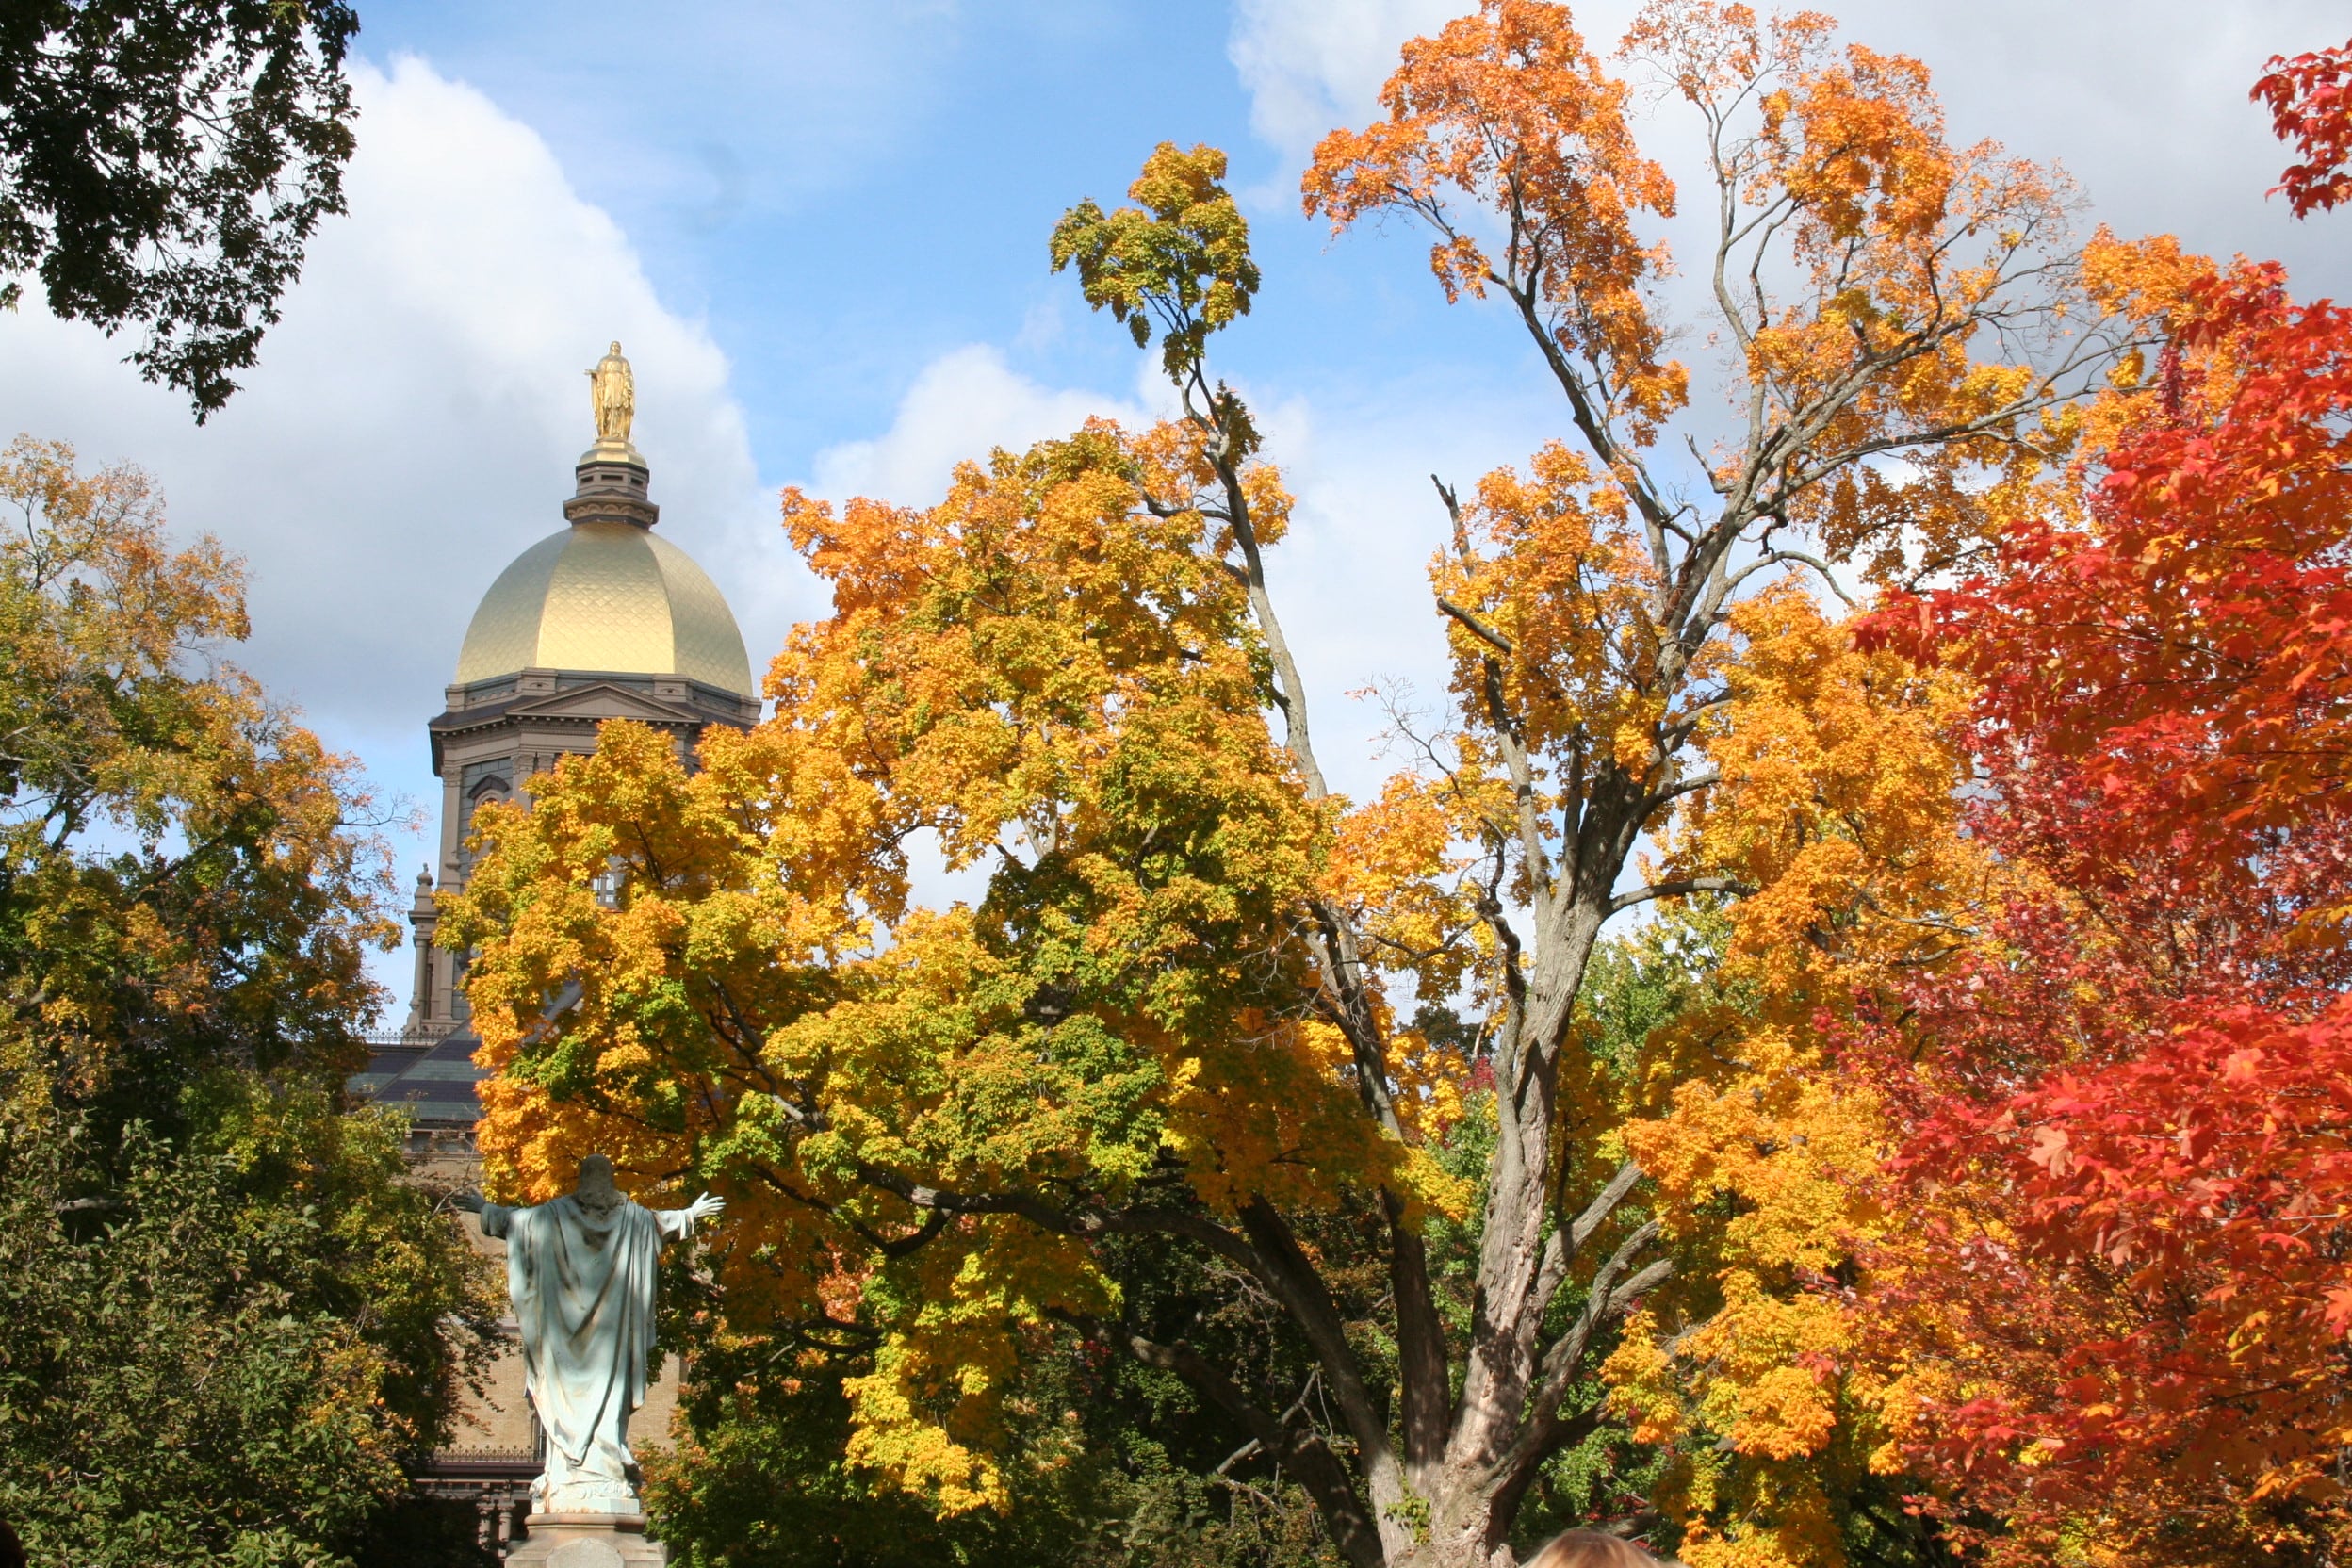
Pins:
x,y
595,1189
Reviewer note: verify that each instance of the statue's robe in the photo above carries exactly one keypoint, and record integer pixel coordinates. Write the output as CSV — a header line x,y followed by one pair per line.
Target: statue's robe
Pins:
x,y
581,1282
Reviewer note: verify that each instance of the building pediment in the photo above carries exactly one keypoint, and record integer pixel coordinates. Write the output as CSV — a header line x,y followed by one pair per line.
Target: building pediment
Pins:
x,y
604,700
587,702
579,707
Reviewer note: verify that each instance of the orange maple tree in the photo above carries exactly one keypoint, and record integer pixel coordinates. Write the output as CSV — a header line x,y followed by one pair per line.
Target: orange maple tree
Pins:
x,y
1840,807
1184,1008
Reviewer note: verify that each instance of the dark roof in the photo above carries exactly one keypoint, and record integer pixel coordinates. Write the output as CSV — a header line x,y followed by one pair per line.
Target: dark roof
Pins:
x,y
433,1078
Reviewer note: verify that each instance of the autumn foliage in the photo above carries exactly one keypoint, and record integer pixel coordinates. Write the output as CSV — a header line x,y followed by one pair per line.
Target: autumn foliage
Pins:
x,y
2099,1081
2309,98
180,884
1032,674
2142,1098
226,1309
1981,1191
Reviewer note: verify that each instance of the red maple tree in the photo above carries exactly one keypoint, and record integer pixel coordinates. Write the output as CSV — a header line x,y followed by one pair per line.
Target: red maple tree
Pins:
x,y
2311,105
2132,1126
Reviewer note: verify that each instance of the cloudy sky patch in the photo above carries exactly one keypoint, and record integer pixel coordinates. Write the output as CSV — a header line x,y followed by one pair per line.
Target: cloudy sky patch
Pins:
x,y
819,231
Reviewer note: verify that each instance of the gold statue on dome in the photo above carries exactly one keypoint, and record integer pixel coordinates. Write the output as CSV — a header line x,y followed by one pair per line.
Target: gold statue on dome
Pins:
x,y
613,391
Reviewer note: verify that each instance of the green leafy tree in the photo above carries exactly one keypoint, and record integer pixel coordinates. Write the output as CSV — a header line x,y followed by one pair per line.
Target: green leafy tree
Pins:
x,y
1119,1467
228,1313
164,162
212,1354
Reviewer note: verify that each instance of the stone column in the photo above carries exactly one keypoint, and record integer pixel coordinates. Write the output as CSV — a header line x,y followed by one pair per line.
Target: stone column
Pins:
x,y
423,917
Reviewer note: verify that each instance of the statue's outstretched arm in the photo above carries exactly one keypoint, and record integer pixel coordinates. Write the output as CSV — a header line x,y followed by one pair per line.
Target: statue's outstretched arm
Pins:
x,y
681,1222
493,1215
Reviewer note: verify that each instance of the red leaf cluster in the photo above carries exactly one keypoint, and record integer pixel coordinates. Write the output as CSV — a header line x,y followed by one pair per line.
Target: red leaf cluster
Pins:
x,y
2167,673
2309,98
2130,1111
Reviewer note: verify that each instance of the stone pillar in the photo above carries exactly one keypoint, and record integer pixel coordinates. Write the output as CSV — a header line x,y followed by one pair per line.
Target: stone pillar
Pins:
x,y
423,917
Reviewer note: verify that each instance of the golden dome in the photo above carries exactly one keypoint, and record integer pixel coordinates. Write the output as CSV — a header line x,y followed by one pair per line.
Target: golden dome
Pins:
x,y
606,597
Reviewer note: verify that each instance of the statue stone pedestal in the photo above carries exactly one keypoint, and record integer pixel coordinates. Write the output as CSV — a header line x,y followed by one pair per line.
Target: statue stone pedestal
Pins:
x,y
586,1540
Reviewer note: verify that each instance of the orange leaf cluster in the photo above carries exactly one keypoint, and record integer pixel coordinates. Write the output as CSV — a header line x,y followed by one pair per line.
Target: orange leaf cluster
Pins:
x,y
1837,810
1041,674
1510,111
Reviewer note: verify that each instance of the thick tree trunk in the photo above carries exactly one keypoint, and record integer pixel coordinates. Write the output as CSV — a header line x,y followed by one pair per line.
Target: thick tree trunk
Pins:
x,y
1496,1439
1448,1498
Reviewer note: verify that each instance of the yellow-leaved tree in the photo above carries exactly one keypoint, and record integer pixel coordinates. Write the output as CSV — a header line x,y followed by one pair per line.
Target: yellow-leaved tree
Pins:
x,y
1192,1011
1841,811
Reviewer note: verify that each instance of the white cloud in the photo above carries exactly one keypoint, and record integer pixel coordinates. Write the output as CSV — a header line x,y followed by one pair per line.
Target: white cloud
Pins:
x,y
963,403
1309,65
2144,101
414,418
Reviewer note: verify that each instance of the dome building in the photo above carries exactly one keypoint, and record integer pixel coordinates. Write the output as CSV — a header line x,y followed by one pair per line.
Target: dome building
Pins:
x,y
602,619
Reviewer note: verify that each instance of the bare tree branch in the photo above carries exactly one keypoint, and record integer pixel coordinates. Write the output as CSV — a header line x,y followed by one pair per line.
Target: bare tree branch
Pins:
x,y
1680,887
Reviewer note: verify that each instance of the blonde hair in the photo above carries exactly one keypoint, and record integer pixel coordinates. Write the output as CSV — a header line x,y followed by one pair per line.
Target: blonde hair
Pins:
x,y
1590,1549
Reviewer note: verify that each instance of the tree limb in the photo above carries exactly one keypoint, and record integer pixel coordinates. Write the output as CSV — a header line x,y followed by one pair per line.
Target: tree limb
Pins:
x,y
1678,888
1477,628
1293,1442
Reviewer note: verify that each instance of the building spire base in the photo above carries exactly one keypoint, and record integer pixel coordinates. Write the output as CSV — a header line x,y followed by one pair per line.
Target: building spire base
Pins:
x,y
613,472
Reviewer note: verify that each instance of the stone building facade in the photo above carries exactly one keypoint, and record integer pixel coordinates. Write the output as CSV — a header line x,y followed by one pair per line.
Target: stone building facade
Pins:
x,y
602,619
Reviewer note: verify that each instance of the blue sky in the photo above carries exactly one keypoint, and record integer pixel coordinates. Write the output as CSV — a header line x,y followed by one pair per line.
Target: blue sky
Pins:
x,y
820,230
844,191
